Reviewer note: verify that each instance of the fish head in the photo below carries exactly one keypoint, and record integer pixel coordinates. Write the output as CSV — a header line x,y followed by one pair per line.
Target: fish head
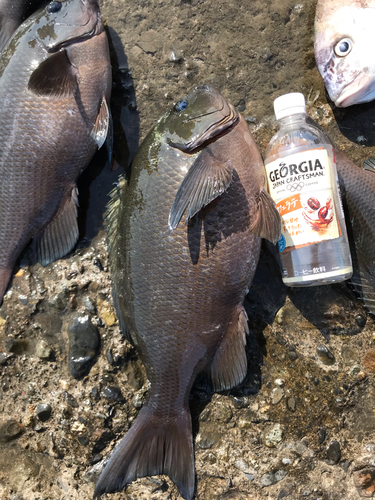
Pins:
x,y
62,23
344,36
201,115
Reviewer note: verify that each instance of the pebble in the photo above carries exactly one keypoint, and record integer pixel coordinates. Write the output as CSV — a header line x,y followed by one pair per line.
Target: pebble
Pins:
x,y
321,436
64,384
333,453
299,448
4,357
43,412
274,436
271,478
277,395
89,305
10,429
111,393
344,464
43,350
175,57
364,481
70,399
368,360
291,404
325,355
84,345
107,312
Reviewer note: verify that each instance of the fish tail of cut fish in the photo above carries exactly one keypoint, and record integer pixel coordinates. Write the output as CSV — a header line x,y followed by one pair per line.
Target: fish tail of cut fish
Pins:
x,y
5,275
155,444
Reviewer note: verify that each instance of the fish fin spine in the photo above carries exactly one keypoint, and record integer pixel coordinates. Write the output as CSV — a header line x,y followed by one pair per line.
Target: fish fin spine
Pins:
x,y
268,222
207,178
369,165
153,445
61,234
229,366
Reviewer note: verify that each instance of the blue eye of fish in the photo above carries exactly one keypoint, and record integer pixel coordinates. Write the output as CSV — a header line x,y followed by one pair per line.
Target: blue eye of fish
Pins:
x,y
54,7
343,47
182,105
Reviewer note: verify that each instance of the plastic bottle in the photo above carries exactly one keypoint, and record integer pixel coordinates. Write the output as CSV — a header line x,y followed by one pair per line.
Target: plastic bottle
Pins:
x,y
302,180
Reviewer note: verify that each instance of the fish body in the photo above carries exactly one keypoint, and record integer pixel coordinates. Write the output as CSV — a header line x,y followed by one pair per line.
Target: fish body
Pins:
x,y
12,14
55,80
178,288
344,37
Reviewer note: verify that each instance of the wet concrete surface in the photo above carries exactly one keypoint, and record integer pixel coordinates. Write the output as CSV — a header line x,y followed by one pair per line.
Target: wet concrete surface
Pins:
x,y
302,423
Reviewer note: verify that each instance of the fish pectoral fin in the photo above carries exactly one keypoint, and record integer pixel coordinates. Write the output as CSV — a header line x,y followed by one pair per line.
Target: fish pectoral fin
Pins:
x,y
54,77
155,444
61,234
268,222
102,125
206,179
369,165
109,141
229,366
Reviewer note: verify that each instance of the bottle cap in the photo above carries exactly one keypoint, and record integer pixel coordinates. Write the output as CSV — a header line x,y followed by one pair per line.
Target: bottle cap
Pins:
x,y
289,104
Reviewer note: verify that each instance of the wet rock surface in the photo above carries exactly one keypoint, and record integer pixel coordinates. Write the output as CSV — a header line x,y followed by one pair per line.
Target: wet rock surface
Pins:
x,y
310,381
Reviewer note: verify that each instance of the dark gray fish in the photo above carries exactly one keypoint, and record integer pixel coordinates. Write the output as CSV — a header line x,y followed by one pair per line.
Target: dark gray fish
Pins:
x,y
178,286
55,81
12,14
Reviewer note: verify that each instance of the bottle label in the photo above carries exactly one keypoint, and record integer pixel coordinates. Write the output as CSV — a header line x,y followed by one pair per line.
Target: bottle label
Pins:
x,y
301,186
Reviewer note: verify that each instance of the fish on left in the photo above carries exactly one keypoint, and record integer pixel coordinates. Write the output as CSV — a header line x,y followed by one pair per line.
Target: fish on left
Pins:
x,y
55,83
12,14
344,37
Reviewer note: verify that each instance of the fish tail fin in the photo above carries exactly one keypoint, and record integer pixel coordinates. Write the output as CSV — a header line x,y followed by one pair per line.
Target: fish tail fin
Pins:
x,y
155,444
5,275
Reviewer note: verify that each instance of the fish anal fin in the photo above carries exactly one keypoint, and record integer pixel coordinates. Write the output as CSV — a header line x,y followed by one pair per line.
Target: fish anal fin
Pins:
x,y
54,77
152,446
229,366
369,165
268,222
61,234
102,125
113,235
206,179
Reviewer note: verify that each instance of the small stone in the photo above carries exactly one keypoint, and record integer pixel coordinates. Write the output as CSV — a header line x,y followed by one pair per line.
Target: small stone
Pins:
x,y
291,404
280,382
361,321
325,355
84,345
344,464
78,427
292,355
333,453
111,393
84,440
10,429
64,384
277,395
43,412
175,57
107,312
321,436
287,461
89,305
274,436
273,477
368,360
43,350
279,316
299,448
4,357
70,399
138,401
364,481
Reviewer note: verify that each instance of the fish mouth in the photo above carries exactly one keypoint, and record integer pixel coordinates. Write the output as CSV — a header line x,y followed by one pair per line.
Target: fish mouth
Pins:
x,y
357,91
228,117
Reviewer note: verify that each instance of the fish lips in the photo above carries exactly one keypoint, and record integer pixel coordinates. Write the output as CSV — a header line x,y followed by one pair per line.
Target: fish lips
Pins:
x,y
359,90
228,116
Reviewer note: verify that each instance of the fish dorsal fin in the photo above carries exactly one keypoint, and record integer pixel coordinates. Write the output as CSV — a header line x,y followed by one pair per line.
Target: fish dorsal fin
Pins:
x,y
268,223
206,179
61,234
229,366
113,234
369,165
102,124
54,77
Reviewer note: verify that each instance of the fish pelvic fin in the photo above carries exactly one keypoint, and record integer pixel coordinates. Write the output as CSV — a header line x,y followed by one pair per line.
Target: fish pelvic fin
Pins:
x,y
102,126
206,179
112,221
61,234
155,444
268,222
229,366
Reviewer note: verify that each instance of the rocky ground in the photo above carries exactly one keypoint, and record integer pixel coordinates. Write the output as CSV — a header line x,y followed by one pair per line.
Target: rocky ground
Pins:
x,y
302,423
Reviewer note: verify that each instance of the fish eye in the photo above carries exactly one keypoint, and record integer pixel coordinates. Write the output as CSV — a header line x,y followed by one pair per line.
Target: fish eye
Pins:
x,y
343,47
54,7
181,106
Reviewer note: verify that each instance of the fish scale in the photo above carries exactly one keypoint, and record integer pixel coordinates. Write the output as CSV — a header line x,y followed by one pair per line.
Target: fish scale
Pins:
x,y
178,288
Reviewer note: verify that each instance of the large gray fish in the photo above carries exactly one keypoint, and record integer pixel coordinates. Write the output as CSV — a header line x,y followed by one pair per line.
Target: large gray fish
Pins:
x,y
55,81
12,14
179,286
344,40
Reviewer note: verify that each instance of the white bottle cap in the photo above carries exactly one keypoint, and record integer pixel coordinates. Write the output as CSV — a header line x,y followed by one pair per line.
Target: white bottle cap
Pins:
x,y
289,104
